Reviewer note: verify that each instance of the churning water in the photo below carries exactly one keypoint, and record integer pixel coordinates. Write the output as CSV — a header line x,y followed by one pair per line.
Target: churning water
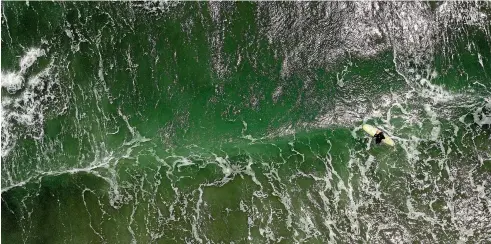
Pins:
x,y
241,122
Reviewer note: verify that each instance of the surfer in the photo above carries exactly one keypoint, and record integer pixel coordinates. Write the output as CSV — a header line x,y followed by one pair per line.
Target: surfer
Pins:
x,y
379,136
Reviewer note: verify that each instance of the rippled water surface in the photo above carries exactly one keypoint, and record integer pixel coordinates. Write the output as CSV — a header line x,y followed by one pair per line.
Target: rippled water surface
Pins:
x,y
241,122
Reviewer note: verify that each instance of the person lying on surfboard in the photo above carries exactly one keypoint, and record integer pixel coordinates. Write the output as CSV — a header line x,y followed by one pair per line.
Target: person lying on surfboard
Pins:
x,y
379,136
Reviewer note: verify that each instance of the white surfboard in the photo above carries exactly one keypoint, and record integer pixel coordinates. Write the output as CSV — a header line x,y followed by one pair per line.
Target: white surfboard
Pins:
x,y
371,130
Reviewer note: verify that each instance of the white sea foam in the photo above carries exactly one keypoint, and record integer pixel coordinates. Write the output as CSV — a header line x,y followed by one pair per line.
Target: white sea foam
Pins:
x,y
482,115
24,106
436,93
12,81
30,58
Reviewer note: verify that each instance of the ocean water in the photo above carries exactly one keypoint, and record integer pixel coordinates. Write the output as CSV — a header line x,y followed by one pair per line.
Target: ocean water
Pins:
x,y
240,122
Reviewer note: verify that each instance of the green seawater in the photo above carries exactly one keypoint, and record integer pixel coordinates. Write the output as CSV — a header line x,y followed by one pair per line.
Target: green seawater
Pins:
x,y
240,122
